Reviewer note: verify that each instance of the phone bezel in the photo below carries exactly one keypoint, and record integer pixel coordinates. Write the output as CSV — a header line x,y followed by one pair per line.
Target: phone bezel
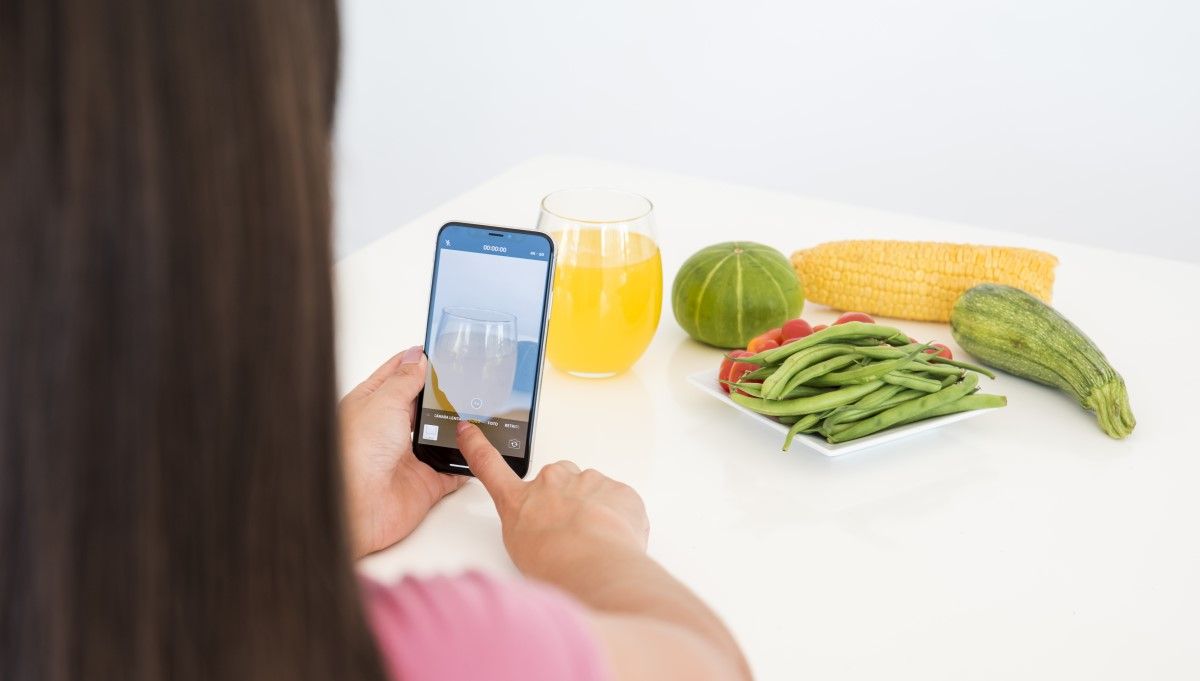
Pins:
x,y
450,459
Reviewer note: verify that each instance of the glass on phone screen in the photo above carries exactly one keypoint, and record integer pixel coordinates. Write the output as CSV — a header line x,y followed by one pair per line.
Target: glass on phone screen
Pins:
x,y
485,335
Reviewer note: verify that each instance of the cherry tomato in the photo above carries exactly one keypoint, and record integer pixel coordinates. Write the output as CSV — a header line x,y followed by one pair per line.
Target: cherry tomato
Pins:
x,y
855,317
763,342
739,369
727,363
940,350
754,342
820,327
796,328
723,372
759,344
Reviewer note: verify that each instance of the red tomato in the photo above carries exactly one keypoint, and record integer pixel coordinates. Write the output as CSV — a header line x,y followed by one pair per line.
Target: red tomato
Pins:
x,y
820,327
855,317
727,364
753,344
759,344
739,369
723,372
763,342
797,328
940,350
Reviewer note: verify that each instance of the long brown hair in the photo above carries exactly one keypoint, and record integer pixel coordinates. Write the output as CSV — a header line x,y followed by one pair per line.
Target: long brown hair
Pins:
x,y
170,490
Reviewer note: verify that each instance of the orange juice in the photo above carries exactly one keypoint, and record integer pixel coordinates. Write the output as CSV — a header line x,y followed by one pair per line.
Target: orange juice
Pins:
x,y
607,300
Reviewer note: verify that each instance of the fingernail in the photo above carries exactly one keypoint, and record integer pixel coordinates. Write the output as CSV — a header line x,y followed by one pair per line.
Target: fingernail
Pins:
x,y
411,355
462,425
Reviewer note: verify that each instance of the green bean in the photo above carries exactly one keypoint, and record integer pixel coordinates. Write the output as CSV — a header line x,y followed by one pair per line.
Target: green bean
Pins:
x,y
964,403
930,357
878,397
836,428
788,420
806,405
869,342
880,352
938,370
759,374
907,410
903,396
803,376
799,426
849,413
775,386
846,417
910,381
943,379
840,424
750,389
754,389
837,332
866,373
803,391
962,365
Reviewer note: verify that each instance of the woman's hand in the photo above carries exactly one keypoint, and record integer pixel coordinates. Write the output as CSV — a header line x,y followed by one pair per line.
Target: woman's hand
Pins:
x,y
562,516
389,490
586,534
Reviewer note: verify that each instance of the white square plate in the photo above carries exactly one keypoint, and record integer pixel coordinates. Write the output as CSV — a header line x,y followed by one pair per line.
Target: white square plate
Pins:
x,y
707,381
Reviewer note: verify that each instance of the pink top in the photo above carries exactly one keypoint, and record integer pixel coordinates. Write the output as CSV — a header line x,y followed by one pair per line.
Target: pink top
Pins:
x,y
474,627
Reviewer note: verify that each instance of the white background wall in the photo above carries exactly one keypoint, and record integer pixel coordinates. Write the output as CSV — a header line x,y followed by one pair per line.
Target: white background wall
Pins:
x,y
1072,119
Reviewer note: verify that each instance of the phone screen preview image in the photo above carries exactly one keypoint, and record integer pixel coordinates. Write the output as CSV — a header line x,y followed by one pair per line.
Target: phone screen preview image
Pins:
x,y
486,329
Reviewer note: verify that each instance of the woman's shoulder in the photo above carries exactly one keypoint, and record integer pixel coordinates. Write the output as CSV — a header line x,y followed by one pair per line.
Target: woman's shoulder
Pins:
x,y
473,626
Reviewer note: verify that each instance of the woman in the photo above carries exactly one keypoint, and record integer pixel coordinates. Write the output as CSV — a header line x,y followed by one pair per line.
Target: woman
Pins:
x,y
172,500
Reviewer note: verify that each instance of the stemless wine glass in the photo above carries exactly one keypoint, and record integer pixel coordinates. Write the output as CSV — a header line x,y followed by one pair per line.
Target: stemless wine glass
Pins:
x,y
474,360
608,280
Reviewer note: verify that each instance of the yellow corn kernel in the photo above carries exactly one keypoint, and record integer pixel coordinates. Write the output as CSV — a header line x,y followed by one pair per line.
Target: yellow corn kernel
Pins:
x,y
915,279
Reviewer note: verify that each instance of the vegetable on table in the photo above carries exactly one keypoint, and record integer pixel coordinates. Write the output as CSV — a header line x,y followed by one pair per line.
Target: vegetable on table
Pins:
x,y
915,279
794,329
855,317
851,380
728,293
940,350
725,373
1011,330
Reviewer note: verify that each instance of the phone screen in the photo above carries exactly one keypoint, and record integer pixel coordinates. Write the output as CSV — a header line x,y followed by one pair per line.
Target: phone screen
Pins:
x,y
484,339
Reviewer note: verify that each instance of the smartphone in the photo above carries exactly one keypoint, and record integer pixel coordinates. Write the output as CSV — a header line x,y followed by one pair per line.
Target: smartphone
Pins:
x,y
485,337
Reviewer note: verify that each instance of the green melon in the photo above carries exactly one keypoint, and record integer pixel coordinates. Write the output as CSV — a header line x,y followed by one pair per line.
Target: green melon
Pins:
x,y
728,293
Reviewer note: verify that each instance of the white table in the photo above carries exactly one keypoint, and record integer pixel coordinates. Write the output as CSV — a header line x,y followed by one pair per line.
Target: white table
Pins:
x,y
1023,544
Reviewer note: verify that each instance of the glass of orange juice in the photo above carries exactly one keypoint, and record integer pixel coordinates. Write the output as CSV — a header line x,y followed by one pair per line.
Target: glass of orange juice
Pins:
x,y
607,282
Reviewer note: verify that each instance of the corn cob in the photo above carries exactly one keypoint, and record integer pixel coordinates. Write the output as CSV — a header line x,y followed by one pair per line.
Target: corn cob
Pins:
x,y
915,279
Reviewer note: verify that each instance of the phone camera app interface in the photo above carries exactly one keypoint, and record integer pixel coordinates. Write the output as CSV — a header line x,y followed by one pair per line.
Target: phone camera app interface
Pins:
x,y
484,339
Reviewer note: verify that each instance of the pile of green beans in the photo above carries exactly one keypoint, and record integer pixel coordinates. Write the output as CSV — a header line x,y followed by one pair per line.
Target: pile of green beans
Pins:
x,y
853,380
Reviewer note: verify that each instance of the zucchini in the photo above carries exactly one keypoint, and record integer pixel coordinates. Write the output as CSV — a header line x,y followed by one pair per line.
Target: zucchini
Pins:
x,y
1009,329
